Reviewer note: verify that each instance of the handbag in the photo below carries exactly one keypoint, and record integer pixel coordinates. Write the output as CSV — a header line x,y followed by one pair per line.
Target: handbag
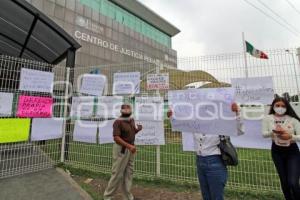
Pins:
x,y
228,151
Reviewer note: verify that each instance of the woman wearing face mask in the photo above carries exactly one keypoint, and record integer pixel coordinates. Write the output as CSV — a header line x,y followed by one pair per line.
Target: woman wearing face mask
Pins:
x,y
283,126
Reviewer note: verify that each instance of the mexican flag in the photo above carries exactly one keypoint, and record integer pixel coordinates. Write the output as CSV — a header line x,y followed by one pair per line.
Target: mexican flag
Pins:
x,y
255,52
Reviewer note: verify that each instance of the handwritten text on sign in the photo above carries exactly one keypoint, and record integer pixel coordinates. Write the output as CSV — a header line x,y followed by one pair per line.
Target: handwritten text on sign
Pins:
x,y
82,106
109,106
34,107
126,83
93,84
151,134
206,111
36,81
158,81
149,108
254,90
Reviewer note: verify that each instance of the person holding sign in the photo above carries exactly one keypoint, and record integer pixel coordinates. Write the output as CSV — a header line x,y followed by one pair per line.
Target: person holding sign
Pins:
x,y
211,170
283,126
124,131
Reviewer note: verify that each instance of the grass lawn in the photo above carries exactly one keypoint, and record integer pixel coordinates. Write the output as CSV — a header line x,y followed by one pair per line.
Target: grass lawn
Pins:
x,y
163,185
255,171
254,175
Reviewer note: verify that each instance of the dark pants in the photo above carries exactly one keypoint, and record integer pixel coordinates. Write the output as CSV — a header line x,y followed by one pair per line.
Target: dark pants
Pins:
x,y
212,175
287,163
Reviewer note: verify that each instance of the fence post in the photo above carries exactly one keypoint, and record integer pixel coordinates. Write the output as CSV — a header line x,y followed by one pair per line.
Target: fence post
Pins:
x,y
158,146
66,102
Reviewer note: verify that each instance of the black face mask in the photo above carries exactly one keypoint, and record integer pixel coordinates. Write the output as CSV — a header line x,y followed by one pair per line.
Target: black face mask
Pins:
x,y
126,115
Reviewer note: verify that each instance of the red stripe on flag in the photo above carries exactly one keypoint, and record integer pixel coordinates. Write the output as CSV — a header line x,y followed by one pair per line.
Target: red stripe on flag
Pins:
x,y
263,55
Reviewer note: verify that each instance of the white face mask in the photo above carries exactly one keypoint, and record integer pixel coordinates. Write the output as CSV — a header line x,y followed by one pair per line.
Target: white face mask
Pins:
x,y
280,110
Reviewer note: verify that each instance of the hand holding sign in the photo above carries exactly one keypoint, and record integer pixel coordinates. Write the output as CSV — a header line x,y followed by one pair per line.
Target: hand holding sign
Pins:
x,y
207,111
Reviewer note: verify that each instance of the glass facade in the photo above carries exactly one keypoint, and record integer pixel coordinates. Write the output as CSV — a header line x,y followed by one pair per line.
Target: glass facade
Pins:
x,y
104,39
120,15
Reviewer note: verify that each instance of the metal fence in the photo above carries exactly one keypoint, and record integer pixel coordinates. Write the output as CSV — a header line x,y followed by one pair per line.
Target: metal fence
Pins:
x,y
28,156
169,162
255,172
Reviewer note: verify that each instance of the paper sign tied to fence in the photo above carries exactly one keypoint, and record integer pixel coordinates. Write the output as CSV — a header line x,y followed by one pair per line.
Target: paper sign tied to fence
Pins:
x,y
106,132
126,83
82,107
14,130
35,107
206,111
152,133
46,128
149,108
158,81
85,131
6,101
93,84
109,106
254,90
36,81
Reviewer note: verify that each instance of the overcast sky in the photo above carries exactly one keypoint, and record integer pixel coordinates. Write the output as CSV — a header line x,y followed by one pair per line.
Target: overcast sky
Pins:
x,y
215,26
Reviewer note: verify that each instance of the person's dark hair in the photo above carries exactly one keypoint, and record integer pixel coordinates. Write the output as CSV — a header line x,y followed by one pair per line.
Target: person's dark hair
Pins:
x,y
289,109
124,106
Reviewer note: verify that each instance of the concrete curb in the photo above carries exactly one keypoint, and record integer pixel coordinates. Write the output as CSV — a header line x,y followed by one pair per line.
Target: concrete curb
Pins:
x,y
74,184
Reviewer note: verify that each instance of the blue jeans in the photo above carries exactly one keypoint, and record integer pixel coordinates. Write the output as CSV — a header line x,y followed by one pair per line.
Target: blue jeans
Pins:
x,y
212,175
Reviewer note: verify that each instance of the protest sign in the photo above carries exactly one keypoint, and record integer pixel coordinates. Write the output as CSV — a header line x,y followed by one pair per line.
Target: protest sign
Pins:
x,y
253,90
149,108
6,101
93,84
35,107
46,128
206,111
126,83
36,81
14,130
158,81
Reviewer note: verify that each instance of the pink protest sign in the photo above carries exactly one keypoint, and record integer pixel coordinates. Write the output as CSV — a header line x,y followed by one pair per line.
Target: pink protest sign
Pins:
x,y
31,106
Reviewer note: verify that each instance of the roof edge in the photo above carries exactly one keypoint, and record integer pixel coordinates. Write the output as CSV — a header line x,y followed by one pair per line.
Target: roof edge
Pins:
x,y
148,15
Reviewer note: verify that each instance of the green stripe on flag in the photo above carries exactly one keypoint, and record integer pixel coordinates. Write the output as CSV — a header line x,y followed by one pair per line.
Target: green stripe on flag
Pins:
x,y
249,48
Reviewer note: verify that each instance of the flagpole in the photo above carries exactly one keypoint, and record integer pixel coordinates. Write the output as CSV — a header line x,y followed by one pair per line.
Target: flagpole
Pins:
x,y
245,54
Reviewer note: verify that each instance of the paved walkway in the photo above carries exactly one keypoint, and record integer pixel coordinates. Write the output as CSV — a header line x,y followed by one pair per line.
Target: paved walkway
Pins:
x,y
49,184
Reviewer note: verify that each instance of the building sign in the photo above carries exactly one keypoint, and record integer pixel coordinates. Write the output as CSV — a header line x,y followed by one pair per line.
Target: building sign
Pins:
x,y
88,24
114,47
